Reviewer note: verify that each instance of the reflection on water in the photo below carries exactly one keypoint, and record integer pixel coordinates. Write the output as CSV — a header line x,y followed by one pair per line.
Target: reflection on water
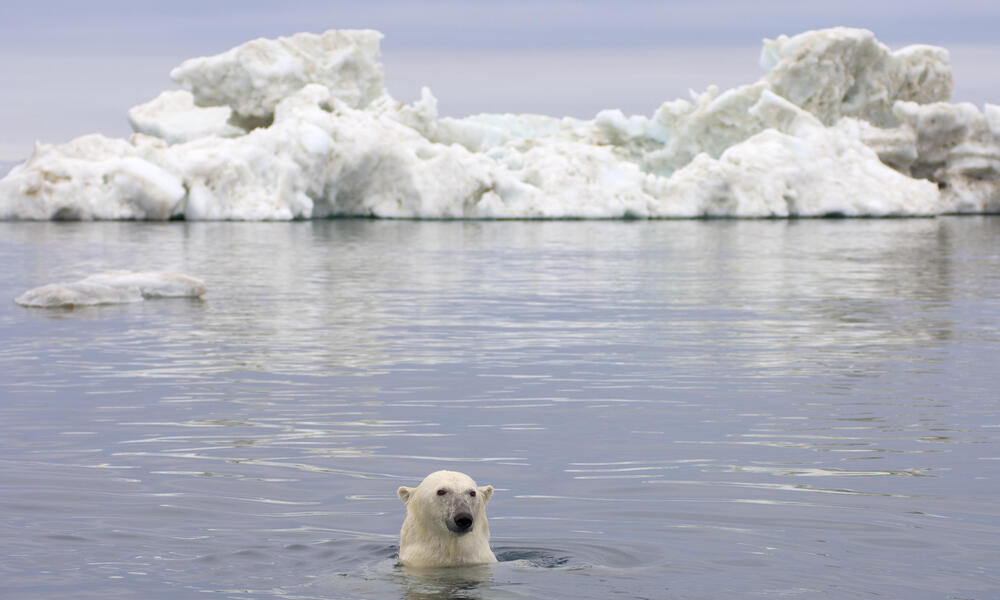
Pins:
x,y
461,582
667,409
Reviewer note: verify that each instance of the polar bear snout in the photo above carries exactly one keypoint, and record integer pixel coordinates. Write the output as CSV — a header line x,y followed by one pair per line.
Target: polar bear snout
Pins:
x,y
460,523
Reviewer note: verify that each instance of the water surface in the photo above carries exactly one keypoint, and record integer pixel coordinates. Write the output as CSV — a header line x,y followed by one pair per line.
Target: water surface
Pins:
x,y
704,409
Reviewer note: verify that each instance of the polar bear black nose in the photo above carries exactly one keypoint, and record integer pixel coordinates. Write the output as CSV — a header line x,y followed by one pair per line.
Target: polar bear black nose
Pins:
x,y
463,522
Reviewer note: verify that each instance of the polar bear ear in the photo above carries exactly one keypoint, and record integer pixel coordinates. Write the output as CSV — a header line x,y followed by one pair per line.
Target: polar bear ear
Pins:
x,y
486,492
405,493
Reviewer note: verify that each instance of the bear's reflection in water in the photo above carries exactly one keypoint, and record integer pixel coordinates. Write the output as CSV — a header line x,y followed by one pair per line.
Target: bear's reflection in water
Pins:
x,y
446,582
481,581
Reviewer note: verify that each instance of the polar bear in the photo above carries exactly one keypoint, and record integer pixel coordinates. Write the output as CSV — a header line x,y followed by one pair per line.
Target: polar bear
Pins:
x,y
445,523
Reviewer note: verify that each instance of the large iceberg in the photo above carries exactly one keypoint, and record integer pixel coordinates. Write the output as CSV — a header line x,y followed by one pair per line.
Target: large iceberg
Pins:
x,y
303,127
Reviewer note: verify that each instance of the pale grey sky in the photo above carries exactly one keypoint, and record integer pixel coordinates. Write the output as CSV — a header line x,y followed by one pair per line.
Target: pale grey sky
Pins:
x,y
71,67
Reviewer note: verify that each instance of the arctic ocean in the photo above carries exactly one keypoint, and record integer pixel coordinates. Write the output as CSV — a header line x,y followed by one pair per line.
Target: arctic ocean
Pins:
x,y
212,388
667,409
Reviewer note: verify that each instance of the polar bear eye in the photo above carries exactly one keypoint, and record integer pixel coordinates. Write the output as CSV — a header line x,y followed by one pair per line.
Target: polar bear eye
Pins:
x,y
473,493
442,492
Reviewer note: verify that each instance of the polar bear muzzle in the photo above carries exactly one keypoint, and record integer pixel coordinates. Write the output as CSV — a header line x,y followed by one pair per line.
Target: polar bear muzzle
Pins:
x,y
460,523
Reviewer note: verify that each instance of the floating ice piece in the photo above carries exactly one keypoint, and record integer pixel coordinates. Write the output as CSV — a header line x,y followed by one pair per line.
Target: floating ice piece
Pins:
x,y
80,293
113,287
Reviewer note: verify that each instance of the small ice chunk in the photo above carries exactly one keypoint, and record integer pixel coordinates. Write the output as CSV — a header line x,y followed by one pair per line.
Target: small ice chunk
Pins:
x,y
78,293
113,287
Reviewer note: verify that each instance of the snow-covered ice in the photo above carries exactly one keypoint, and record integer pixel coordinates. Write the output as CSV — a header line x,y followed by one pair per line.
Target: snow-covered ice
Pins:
x,y
303,127
113,287
174,117
254,77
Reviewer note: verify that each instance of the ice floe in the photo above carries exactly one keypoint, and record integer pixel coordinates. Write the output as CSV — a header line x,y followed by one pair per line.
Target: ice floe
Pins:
x,y
303,127
113,287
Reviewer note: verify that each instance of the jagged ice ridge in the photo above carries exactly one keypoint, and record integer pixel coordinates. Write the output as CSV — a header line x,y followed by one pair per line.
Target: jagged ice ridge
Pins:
x,y
303,127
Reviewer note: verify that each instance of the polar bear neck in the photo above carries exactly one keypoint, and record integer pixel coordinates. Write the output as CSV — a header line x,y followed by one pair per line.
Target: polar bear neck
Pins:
x,y
419,547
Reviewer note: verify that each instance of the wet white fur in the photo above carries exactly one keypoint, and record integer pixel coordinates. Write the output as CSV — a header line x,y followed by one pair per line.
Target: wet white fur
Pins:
x,y
425,539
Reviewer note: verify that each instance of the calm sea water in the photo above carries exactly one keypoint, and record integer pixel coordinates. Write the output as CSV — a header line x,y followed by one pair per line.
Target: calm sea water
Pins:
x,y
695,409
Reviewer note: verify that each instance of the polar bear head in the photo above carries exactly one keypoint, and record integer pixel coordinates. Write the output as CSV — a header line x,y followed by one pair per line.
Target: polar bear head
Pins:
x,y
445,522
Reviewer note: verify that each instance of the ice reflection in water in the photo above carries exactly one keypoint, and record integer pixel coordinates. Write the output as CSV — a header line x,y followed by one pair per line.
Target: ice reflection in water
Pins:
x,y
667,409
